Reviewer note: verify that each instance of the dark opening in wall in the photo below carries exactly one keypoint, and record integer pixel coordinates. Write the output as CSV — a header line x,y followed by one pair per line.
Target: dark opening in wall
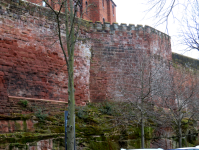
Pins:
x,y
86,7
81,7
113,9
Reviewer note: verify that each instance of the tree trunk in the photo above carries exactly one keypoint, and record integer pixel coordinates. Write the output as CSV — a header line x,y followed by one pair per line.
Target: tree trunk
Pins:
x,y
180,134
142,131
71,107
71,91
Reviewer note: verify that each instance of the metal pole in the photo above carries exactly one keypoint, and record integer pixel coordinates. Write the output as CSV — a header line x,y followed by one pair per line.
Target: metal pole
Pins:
x,y
65,125
74,134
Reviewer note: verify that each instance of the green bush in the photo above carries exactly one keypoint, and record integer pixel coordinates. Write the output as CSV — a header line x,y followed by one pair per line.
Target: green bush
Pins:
x,y
82,113
107,108
40,115
23,103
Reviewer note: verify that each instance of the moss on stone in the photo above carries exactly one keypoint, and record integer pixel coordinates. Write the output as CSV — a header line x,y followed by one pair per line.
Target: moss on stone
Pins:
x,y
16,116
17,126
94,128
24,125
102,145
58,129
25,137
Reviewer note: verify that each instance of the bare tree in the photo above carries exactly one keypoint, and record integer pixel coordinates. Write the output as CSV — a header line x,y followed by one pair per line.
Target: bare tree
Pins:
x,y
164,9
179,99
139,87
190,28
185,13
65,12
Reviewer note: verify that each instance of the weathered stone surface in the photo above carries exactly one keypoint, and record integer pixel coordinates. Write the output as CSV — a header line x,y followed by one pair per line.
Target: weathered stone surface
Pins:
x,y
32,66
113,54
9,126
32,63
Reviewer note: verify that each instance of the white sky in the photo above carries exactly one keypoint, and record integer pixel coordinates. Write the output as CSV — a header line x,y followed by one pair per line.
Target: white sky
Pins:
x,y
134,12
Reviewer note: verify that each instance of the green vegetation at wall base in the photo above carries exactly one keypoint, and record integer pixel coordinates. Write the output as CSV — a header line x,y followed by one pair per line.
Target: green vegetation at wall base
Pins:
x,y
96,129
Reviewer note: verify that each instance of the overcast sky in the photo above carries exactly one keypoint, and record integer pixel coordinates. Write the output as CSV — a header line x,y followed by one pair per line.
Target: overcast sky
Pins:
x,y
134,12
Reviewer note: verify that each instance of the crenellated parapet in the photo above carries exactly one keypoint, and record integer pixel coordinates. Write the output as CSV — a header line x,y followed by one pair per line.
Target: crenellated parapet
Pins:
x,y
104,27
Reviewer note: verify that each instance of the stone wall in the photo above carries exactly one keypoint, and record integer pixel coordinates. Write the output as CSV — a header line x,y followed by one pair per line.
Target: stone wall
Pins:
x,y
33,75
115,53
50,144
32,63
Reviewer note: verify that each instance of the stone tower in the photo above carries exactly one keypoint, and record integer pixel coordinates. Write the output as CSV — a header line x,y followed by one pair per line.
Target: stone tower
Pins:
x,y
94,10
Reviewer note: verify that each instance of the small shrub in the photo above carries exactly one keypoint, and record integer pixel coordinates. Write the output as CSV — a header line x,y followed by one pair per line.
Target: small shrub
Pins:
x,y
23,103
40,115
107,108
60,116
82,113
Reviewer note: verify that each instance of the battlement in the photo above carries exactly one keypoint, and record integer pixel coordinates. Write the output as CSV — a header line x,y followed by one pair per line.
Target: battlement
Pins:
x,y
98,26
19,9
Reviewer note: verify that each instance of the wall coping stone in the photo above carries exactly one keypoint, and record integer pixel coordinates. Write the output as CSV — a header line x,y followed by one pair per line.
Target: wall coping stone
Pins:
x,y
35,99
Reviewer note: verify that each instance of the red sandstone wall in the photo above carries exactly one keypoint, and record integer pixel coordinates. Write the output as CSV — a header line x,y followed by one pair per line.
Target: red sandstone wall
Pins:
x,y
101,11
111,11
95,9
30,64
114,53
